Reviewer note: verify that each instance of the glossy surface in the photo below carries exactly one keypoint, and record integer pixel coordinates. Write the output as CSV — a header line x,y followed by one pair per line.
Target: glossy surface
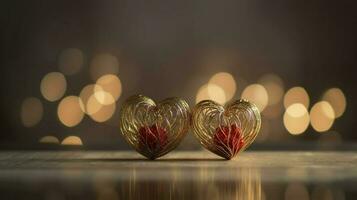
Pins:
x,y
178,175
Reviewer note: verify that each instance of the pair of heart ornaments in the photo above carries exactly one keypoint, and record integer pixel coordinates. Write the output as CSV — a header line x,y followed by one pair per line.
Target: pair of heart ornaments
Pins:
x,y
154,129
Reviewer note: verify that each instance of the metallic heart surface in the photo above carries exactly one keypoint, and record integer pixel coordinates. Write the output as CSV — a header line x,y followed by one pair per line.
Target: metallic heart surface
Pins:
x,y
227,130
154,129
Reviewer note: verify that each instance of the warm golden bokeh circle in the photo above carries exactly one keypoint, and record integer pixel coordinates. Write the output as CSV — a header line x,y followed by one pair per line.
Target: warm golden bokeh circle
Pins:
x,y
53,86
104,113
70,61
296,119
257,94
216,93
49,139
69,111
72,140
87,104
274,86
337,99
322,116
211,92
103,64
225,81
93,105
31,111
202,94
296,95
108,89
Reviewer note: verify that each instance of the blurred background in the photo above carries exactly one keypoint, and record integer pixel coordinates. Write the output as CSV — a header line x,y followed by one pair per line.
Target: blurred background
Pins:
x,y
67,67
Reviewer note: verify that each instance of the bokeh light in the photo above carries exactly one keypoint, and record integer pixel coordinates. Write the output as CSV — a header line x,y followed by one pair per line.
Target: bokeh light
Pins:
x,y
88,102
296,119
49,139
296,95
225,81
69,111
322,116
337,100
296,191
99,112
93,105
70,61
103,64
216,93
31,111
257,94
202,94
72,140
274,86
211,92
103,97
108,89
53,86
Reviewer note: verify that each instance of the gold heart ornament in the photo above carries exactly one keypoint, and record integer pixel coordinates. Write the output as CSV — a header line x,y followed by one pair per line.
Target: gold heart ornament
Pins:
x,y
154,129
226,130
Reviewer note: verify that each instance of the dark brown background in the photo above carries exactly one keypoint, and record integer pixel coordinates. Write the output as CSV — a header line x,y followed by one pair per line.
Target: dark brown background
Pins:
x,y
161,45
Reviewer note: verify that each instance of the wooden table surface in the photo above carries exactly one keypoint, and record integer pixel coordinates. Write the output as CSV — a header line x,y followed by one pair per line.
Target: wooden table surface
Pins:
x,y
178,175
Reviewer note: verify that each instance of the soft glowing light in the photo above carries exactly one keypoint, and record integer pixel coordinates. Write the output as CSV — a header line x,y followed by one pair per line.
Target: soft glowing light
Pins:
x,y
296,118
337,100
107,89
69,111
274,86
202,94
31,111
72,140
93,105
216,93
296,191
49,140
322,116
296,95
53,86
70,61
257,94
226,82
211,92
103,97
84,96
88,103
104,113
296,110
103,64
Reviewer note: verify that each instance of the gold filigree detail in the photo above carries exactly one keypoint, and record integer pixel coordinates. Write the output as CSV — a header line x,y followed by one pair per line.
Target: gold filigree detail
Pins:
x,y
154,129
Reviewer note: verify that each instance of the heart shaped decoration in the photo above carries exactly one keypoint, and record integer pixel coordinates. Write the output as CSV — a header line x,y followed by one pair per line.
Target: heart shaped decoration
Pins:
x,y
154,129
228,130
